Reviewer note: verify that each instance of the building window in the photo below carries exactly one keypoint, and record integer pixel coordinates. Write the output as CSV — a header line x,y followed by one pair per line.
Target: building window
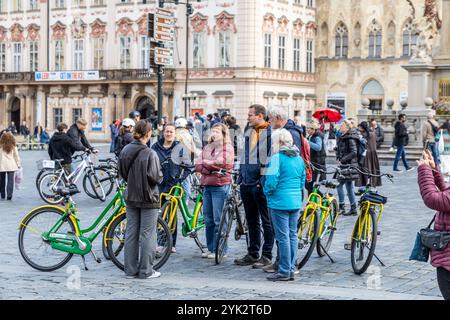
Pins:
x,y
125,52
375,39
310,3
281,52
297,1
341,41
59,55
99,45
3,5
34,62
2,57
16,5
34,5
57,116
198,60
297,54
410,35
98,2
77,3
78,54
310,56
224,49
60,4
145,53
77,113
267,50
17,57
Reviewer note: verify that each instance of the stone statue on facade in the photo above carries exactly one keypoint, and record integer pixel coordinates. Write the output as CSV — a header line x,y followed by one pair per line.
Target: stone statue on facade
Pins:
x,y
428,27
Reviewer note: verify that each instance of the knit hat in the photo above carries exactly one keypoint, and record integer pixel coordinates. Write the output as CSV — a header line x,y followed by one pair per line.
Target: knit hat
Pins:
x,y
313,124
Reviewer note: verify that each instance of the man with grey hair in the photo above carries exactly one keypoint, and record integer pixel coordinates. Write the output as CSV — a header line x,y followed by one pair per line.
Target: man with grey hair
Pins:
x,y
278,118
430,135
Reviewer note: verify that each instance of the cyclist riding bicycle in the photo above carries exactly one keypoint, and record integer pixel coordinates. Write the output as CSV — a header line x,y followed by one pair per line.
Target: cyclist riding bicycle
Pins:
x,y
76,132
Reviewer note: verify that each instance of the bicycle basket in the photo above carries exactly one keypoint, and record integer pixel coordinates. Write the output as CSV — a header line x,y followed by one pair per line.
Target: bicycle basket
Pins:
x,y
45,164
374,197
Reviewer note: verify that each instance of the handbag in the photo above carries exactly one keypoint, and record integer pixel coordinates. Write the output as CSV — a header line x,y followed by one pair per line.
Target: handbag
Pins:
x,y
18,178
433,239
419,251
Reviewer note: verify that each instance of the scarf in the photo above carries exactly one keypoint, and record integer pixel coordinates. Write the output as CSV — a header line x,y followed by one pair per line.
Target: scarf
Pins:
x,y
291,151
256,134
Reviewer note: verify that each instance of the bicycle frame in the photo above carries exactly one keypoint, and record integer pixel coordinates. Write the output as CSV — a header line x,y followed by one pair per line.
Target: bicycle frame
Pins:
x,y
364,225
178,200
64,242
315,202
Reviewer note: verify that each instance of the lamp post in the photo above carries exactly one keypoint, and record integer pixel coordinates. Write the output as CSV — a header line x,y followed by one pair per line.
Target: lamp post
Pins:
x,y
187,97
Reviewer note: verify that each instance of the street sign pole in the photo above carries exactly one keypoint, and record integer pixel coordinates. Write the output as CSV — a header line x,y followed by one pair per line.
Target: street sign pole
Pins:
x,y
160,79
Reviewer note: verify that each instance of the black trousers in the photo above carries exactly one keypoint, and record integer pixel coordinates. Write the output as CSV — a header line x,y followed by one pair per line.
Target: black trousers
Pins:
x,y
443,278
9,186
257,213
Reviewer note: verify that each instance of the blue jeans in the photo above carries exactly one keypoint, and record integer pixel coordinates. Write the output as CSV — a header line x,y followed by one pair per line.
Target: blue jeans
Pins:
x,y
213,202
285,227
350,192
186,184
400,154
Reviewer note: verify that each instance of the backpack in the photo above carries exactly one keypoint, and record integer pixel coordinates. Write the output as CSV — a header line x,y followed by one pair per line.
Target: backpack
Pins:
x,y
119,145
305,153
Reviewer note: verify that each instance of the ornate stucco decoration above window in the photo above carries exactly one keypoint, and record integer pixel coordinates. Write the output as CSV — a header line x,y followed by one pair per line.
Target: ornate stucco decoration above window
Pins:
x,y
125,27
33,32
16,33
225,4
199,23
298,25
142,24
224,22
283,25
59,31
3,32
311,29
269,23
78,28
98,29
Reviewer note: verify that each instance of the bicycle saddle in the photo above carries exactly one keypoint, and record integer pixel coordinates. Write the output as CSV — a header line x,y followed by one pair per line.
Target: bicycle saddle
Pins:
x,y
70,191
329,184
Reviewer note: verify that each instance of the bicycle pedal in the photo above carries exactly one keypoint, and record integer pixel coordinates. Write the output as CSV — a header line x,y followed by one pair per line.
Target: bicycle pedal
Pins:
x,y
348,246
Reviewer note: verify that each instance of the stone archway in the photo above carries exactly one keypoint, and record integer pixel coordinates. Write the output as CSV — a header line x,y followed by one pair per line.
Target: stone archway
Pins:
x,y
374,91
145,106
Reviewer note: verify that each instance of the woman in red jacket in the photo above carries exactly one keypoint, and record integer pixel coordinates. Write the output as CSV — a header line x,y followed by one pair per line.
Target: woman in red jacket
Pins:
x,y
436,196
217,155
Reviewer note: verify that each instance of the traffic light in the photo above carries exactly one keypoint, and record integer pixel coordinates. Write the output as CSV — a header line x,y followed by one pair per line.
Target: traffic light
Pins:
x,y
151,25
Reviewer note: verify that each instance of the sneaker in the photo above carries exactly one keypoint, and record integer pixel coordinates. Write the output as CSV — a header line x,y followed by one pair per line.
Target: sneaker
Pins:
x,y
262,262
296,271
211,256
409,169
341,208
271,268
292,276
397,170
174,250
205,255
155,274
131,277
246,260
278,277
352,212
391,149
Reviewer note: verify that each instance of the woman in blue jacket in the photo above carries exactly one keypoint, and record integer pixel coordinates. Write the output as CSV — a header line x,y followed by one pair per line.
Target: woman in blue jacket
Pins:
x,y
283,187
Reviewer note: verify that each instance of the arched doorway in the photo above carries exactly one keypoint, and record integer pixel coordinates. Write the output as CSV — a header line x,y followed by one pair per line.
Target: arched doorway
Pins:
x,y
15,113
145,106
374,91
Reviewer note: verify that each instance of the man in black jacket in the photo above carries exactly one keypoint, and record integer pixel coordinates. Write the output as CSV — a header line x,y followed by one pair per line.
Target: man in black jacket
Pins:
x,y
76,133
401,140
61,146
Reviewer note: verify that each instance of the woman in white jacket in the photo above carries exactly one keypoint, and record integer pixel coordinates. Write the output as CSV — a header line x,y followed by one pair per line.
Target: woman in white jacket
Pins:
x,y
9,164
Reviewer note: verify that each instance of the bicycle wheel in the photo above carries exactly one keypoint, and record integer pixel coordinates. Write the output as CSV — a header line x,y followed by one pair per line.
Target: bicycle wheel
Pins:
x,y
307,229
115,242
329,226
48,183
105,180
94,188
364,240
226,221
40,174
36,251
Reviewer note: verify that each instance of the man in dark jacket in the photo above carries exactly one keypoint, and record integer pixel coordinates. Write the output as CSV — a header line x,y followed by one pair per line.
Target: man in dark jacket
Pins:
x,y
401,140
257,146
61,146
347,155
76,132
379,132
278,118
24,131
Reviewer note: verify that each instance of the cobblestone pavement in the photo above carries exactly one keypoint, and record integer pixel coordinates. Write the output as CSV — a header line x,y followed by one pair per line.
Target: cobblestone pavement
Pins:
x,y
187,276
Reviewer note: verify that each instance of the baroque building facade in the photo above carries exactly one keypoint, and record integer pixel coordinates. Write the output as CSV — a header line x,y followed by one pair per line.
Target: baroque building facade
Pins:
x,y
362,47
65,59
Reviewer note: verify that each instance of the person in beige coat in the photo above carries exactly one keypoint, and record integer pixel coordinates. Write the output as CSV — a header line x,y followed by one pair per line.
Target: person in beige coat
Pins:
x,y
430,131
9,164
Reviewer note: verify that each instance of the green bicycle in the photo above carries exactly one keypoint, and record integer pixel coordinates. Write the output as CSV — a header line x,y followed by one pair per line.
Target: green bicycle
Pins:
x,y
175,199
49,236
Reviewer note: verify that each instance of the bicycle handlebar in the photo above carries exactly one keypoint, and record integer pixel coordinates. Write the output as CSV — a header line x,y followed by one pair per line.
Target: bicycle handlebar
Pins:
x,y
347,170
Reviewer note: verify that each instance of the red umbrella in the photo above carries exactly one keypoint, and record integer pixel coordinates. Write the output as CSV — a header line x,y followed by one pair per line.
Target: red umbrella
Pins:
x,y
332,114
